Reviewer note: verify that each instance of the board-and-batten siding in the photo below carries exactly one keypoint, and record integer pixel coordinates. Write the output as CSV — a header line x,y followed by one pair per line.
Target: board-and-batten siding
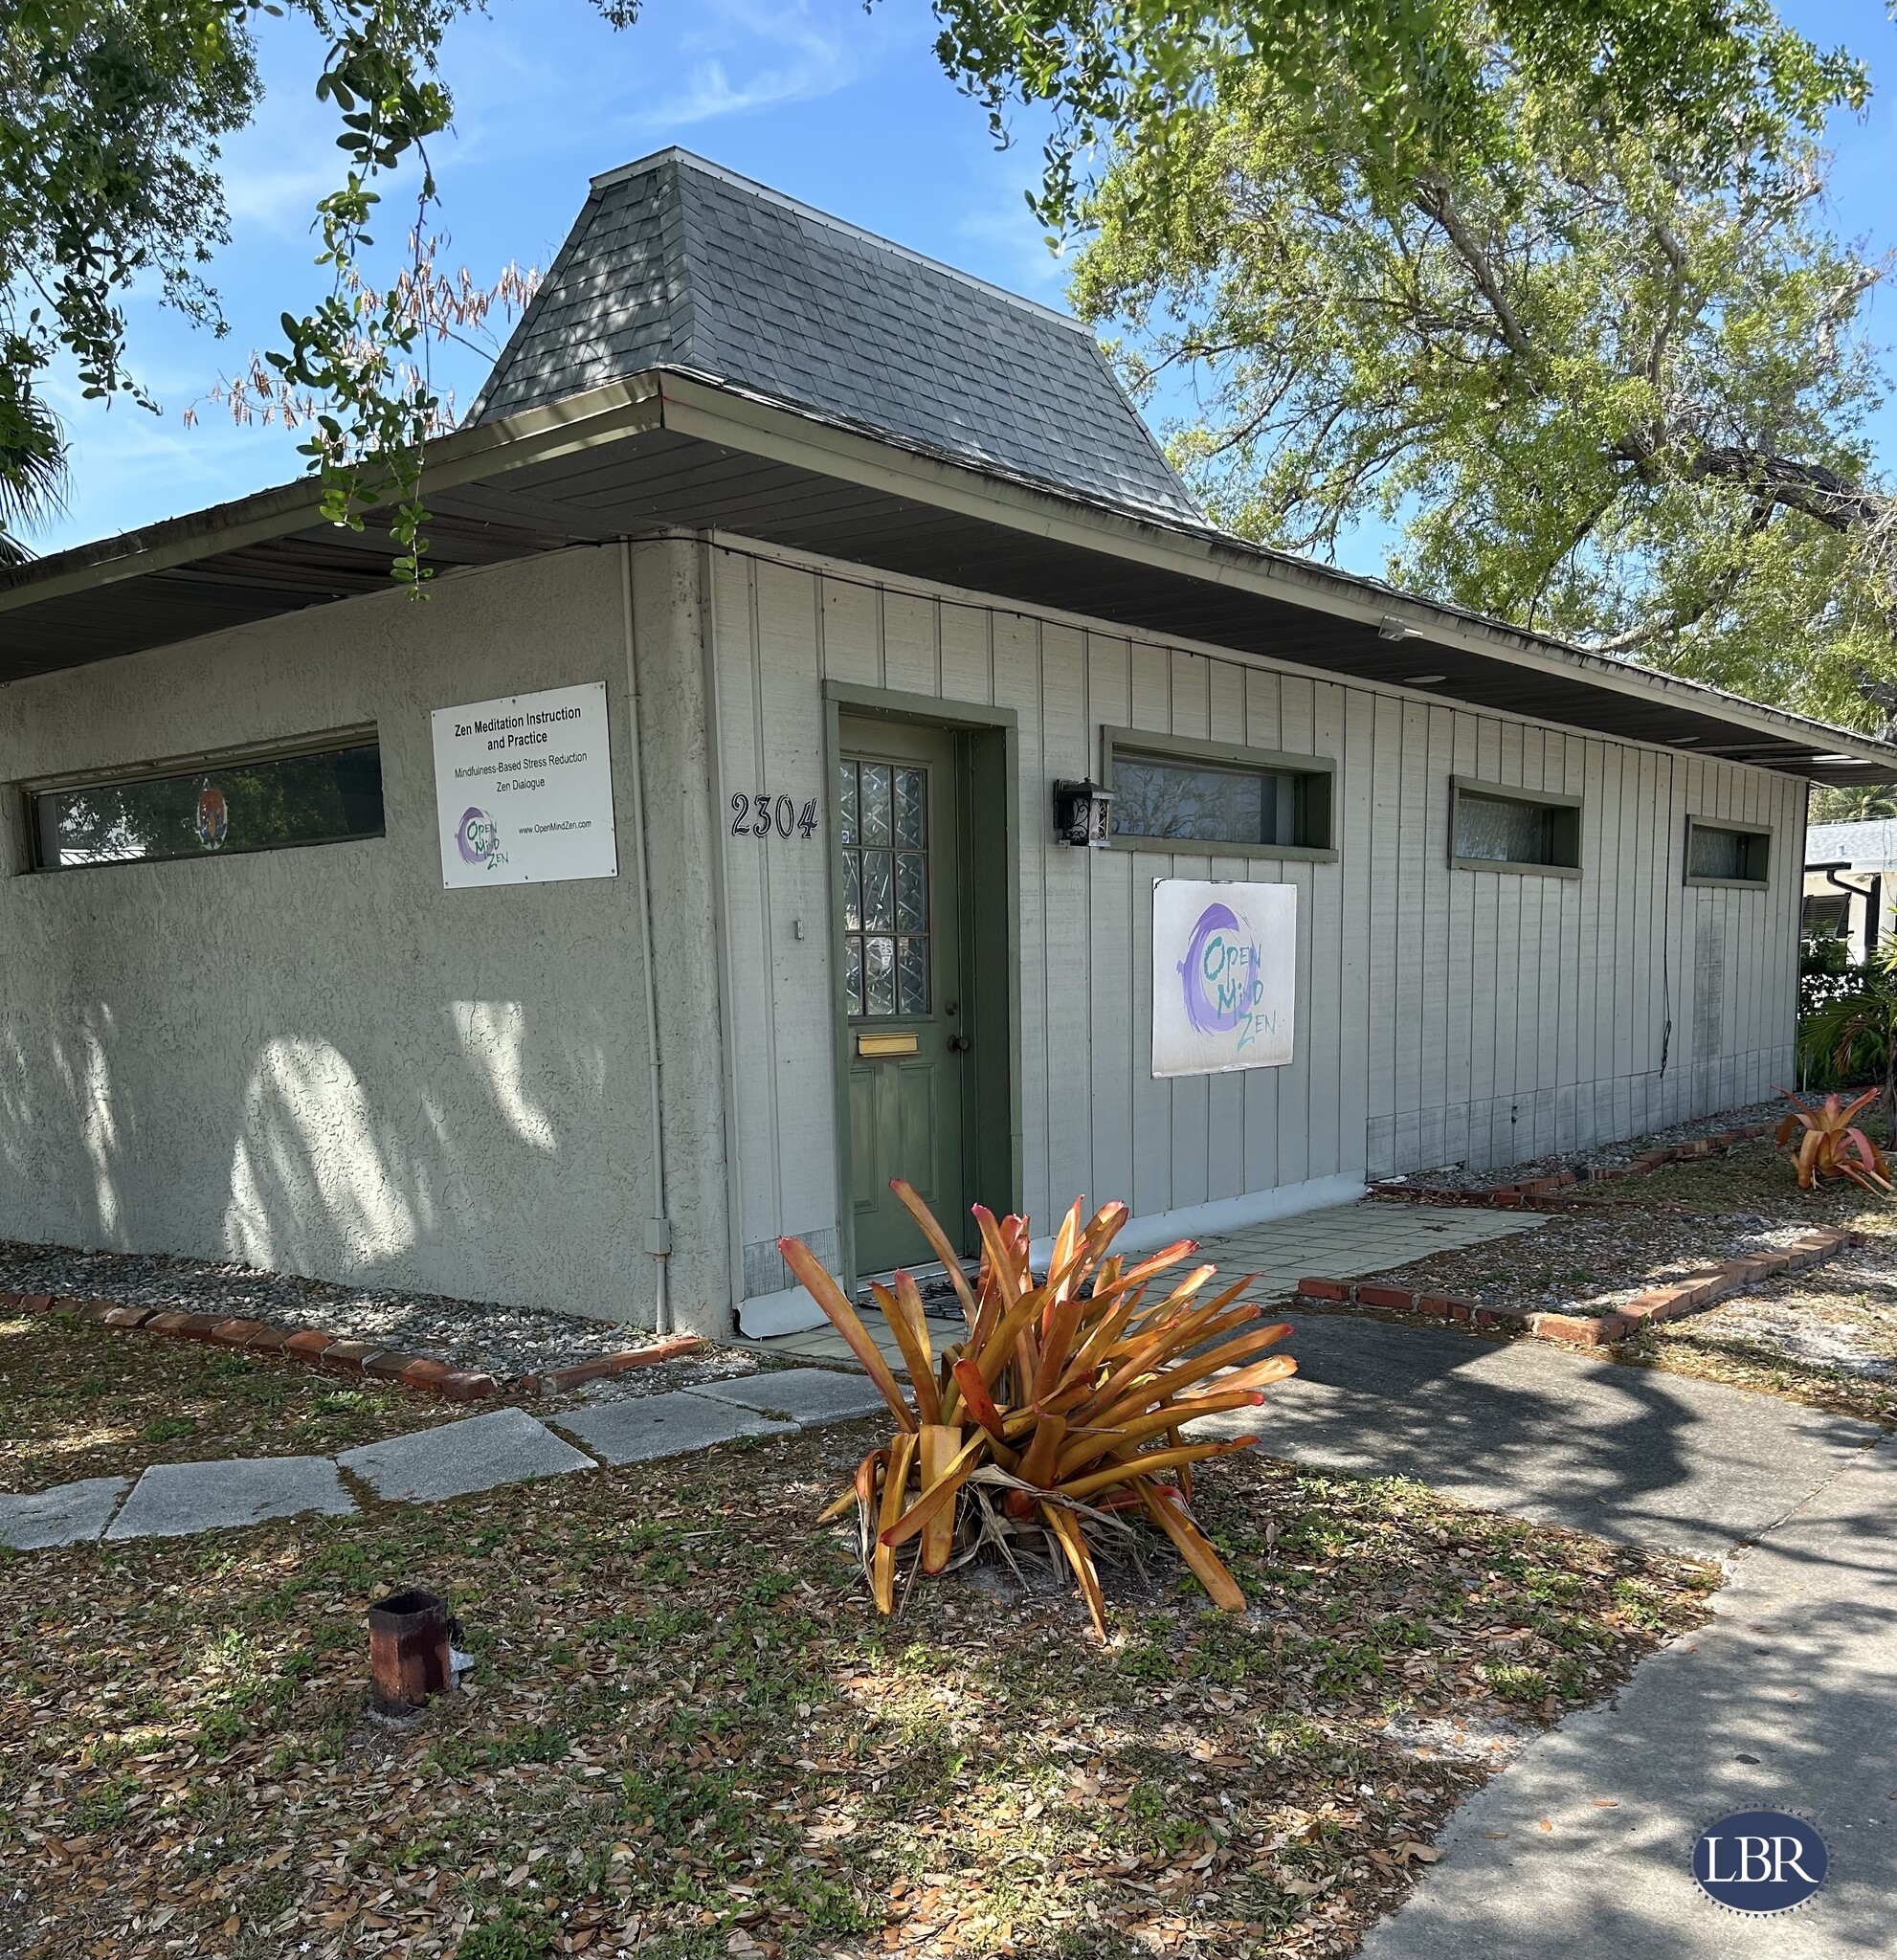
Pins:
x,y
1443,1015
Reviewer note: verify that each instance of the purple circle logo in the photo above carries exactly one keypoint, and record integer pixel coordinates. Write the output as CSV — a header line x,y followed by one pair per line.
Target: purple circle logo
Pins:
x,y
1219,973
479,837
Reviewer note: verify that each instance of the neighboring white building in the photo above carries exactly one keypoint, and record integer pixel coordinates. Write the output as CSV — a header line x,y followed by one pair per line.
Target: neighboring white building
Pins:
x,y
695,856
1851,879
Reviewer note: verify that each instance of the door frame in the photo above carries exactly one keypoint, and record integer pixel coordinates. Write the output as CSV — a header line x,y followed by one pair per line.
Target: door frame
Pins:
x,y
975,722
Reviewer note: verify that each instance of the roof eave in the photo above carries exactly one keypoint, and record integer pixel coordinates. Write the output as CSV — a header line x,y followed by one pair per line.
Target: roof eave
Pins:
x,y
719,412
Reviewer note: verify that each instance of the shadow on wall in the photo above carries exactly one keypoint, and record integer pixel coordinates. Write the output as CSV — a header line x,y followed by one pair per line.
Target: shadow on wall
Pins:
x,y
81,1135
471,1161
312,1189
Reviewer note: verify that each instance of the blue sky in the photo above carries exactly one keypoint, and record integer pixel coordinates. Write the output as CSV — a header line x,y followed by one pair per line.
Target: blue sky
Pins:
x,y
845,110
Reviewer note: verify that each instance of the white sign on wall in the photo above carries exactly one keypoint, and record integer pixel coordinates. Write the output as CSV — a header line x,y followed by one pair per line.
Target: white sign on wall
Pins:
x,y
523,789
1224,971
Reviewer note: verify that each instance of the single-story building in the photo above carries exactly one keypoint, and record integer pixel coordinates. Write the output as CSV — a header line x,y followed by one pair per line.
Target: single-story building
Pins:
x,y
1851,881
835,747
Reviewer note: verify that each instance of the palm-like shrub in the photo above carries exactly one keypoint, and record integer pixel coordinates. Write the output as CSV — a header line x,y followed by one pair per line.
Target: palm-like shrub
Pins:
x,y
1059,1413
1830,1145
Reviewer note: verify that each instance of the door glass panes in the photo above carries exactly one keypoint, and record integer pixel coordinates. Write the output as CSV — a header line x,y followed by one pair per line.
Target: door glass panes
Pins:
x,y
882,829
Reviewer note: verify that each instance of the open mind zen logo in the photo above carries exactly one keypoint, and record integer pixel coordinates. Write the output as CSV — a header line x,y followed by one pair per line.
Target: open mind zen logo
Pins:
x,y
1222,978
1760,1862
479,837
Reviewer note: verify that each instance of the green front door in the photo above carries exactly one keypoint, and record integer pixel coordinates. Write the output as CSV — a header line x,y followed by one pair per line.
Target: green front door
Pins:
x,y
898,831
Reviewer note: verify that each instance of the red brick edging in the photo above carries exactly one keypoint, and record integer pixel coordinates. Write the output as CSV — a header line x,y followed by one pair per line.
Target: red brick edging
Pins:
x,y
1544,1193
1698,1290
418,1372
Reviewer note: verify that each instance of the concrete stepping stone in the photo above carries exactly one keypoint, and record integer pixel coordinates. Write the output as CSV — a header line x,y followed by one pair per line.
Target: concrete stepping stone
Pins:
x,y
505,1446
807,1395
643,1427
64,1515
174,1500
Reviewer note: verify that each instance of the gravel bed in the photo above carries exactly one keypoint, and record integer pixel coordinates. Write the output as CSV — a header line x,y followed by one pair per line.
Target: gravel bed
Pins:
x,y
1599,1157
1841,1315
1592,1261
502,1340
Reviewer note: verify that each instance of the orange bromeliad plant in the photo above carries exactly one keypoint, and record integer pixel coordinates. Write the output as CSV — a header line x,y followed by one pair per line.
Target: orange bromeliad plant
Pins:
x,y
1831,1144
1062,1409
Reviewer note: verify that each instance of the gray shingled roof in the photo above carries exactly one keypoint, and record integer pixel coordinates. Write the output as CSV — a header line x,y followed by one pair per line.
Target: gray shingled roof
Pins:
x,y
676,263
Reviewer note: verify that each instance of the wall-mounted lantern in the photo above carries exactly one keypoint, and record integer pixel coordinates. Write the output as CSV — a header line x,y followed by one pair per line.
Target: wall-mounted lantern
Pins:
x,y
1082,814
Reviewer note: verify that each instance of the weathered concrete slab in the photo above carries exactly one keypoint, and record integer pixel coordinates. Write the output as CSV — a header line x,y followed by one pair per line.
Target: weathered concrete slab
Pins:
x,y
174,1500
808,1395
64,1515
1787,1701
643,1427
504,1446
1526,1427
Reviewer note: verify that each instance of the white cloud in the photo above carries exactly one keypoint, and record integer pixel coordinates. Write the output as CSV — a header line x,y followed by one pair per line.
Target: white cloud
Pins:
x,y
727,58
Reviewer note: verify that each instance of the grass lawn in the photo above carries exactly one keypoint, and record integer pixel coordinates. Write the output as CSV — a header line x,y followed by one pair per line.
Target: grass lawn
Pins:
x,y
78,1399
688,1735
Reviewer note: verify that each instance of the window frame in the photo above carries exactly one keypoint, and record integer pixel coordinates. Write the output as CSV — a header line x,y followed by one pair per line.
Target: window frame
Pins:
x,y
331,741
1513,792
1757,832
1316,792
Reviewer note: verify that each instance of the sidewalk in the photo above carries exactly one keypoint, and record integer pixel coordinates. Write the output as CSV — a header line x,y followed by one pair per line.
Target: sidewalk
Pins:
x,y
454,1460
1581,1849
1787,1701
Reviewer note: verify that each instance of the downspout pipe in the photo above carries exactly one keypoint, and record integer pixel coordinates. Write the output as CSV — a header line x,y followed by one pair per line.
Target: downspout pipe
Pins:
x,y
657,1228
1872,895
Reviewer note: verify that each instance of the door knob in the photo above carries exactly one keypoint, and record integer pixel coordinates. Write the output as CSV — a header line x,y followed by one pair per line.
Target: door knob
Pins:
x,y
958,1044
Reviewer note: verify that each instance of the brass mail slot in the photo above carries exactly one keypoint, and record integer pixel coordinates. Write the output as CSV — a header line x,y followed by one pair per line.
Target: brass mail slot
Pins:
x,y
886,1044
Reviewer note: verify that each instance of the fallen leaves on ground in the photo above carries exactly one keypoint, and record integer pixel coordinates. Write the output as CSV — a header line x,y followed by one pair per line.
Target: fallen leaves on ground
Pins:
x,y
78,1399
689,1736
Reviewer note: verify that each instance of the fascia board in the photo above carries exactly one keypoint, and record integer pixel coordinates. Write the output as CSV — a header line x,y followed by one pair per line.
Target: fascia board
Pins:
x,y
737,421
535,436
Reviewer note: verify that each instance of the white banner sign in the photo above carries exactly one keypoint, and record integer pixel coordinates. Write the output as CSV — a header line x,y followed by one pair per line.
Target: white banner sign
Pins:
x,y
1224,970
523,789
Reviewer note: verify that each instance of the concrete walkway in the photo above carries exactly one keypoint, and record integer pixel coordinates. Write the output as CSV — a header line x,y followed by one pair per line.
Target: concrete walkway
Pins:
x,y
1548,1433
1340,1243
479,1453
1787,1699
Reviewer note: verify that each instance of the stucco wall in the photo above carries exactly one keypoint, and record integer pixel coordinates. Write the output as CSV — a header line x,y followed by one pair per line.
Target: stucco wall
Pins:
x,y
1443,1014
317,1060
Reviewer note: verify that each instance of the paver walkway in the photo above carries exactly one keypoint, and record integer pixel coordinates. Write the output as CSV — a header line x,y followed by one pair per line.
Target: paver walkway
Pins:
x,y
479,1453
1340,1241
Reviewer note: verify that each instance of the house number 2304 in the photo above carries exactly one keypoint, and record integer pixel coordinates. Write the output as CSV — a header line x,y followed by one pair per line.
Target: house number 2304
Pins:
x,y
757,816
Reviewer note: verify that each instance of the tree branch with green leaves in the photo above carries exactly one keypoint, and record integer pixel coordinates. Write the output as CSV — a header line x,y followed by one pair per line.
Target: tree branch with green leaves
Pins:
x,y
1544,289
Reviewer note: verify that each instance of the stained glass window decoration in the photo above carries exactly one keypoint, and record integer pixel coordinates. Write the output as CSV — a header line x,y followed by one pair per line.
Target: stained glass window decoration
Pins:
x,y
226,810
882,832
